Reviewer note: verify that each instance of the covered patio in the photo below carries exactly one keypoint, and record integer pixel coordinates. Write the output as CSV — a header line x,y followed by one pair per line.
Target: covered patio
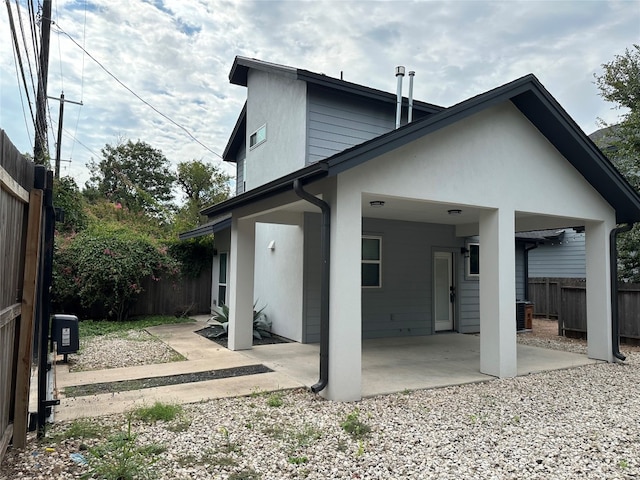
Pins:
x,y
391,365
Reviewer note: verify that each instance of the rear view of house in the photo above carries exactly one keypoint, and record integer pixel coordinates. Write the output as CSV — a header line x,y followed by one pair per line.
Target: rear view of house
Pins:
x,y
352,223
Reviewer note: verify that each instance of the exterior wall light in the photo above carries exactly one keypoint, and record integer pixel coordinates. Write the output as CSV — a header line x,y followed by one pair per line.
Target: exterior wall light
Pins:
x,y
377,203
272,245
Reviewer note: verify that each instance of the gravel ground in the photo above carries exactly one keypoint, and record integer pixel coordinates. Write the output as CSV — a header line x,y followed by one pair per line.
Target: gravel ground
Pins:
x,y
568,424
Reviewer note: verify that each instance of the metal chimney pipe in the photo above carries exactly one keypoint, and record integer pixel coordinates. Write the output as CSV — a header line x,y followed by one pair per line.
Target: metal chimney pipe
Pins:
x,y
399,76
410,115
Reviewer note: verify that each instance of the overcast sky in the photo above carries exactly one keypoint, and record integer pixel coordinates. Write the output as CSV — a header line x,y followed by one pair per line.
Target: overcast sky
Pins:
x,y
176,55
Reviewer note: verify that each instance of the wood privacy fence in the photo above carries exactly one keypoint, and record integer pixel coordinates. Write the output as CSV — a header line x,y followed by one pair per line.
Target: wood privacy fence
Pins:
x,y
566,300
20,218
179,296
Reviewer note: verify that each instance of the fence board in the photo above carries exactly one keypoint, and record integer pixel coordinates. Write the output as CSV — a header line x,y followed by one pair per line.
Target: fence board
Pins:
x,y
16,181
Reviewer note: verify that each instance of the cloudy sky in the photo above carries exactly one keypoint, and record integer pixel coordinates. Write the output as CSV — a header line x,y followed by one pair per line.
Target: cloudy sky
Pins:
x,y
176,56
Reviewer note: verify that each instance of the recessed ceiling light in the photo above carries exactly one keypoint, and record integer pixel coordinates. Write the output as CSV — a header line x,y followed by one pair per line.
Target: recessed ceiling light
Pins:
x,y
454,211
376,203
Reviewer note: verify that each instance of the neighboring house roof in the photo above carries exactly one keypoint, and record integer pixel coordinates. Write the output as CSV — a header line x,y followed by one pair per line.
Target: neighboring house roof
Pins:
x,y
526,93
541,236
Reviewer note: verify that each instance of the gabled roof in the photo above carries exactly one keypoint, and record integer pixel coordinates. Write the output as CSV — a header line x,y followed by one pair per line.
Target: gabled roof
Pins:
x,y
242,65
535,103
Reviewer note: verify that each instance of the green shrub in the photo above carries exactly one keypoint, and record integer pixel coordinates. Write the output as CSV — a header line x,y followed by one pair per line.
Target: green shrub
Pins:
x,y
103,268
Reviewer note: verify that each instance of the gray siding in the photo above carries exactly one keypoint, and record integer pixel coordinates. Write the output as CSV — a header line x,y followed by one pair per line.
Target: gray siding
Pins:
x,y
520,272
565,259
403,305
337,122
311,274
468,298
240,163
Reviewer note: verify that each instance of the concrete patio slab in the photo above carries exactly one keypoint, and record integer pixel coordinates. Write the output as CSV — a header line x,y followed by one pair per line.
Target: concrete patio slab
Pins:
x,y
388,365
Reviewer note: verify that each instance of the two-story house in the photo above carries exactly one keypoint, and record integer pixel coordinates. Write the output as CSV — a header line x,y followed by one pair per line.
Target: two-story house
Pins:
x,y
349,226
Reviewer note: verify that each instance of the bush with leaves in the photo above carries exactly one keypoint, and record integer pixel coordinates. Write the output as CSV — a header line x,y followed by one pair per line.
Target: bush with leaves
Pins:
x,y
103,269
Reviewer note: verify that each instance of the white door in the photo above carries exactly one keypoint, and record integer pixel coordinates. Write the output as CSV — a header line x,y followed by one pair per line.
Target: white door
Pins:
x,y
443,290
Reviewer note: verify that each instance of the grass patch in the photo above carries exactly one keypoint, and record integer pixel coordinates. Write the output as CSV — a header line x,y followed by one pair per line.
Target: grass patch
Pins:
x,y
80,429
158,411
90,328
275,400
246,474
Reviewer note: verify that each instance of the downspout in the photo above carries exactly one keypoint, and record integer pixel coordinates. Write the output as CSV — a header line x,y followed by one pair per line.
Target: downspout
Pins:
x,y
615,322
325,243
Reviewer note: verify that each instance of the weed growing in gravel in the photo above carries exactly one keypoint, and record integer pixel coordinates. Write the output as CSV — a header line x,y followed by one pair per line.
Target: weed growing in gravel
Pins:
x,y
120,458
275,400
246,474
298,460
623,464
158,411
228,446
354,426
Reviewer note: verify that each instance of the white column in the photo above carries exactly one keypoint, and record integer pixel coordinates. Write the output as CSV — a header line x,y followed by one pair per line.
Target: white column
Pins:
x,y
345,310
241,284
598,290
498,356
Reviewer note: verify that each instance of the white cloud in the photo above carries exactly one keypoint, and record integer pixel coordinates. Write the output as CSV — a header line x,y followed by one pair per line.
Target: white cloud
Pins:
x,y
177,55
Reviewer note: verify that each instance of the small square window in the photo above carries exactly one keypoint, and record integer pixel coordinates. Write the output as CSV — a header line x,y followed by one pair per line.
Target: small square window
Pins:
x,y
258,137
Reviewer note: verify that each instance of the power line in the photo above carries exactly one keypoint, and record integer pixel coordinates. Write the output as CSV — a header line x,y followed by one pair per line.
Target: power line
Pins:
x,y
60,30
84,37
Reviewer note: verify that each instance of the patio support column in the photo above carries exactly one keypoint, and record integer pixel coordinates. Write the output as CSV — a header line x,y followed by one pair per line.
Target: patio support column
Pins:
x,y
345,309
498,355
241,269
598,290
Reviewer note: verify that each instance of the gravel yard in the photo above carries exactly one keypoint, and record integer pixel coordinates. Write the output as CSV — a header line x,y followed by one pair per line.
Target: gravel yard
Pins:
x,y
568,424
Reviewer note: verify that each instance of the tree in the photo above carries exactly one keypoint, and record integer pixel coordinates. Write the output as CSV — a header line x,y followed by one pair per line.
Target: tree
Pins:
x,y
135,175
620,84
203,184
67,196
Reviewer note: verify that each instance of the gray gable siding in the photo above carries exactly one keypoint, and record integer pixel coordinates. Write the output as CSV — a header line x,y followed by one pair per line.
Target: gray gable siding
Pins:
x,y
562,259
240,163
337,121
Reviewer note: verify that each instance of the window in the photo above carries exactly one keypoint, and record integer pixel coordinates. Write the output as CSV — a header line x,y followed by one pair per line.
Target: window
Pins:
x,y
258,137
222,280
473,260
371,262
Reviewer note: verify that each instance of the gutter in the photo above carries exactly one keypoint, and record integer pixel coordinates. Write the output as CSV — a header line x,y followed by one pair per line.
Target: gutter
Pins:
x,y
325,243
527,248
615,321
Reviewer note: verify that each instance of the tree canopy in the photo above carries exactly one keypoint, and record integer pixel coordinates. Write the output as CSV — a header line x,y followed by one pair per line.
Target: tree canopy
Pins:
x,y
620,84
135,175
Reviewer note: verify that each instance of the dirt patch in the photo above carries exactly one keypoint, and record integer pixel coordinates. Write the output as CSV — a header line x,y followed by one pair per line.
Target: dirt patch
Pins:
x,y
211,333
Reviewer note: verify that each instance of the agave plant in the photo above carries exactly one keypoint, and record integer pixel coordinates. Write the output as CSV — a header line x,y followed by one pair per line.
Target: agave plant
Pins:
x,y
261,324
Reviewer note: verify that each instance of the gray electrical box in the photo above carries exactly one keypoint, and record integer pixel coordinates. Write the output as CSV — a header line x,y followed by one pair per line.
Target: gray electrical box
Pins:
x,y
64,331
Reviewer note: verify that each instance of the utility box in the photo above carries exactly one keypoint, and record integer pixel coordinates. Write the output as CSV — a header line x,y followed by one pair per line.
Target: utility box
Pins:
x,y
65,332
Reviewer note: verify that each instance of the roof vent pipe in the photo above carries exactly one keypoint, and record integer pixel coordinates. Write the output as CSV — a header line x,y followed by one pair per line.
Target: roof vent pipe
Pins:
x,y
399,76
410,115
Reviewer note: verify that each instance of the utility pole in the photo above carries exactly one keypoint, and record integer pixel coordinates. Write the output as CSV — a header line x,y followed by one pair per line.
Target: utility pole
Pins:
x,y
39,149
59,144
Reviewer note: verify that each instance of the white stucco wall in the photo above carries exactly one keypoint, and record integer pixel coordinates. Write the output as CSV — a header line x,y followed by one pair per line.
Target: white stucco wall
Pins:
x,y
494,159
280,103
278,277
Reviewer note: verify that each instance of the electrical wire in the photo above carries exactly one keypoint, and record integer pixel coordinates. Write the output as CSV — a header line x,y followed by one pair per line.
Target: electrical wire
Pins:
x,y
84,38
26,47
60,30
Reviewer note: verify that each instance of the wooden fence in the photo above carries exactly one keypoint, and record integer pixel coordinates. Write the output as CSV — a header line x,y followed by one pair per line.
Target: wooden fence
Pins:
x,y
175,296
566,300
20,215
